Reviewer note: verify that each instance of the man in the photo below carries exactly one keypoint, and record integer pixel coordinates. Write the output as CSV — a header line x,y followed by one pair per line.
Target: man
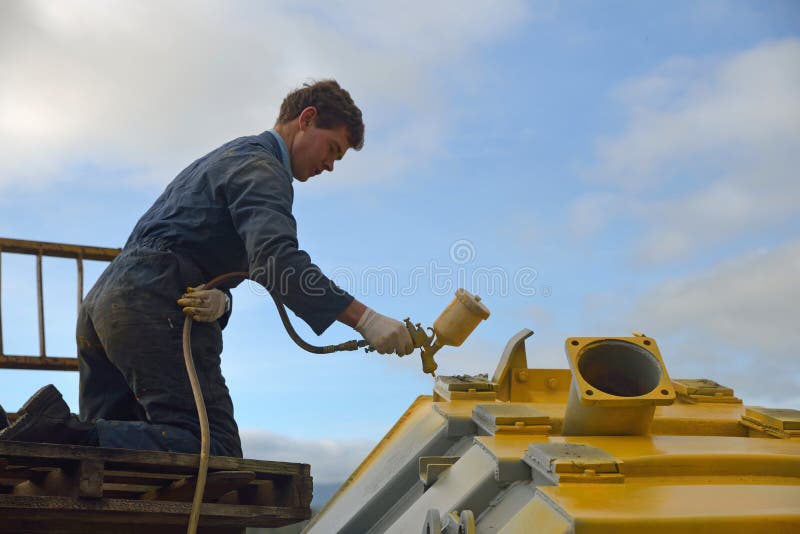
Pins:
x,y
230,210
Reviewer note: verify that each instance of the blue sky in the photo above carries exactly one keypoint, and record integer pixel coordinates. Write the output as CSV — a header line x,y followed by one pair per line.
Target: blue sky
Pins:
x,y
589,168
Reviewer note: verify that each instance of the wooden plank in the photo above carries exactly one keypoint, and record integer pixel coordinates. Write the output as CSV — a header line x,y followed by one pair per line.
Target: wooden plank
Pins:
x,y
65,510
37,527
51,483
218,484
132,460
33,463
58,481
16,474
127,491
116,476
75,479
305,491
281,491
90,478
262,494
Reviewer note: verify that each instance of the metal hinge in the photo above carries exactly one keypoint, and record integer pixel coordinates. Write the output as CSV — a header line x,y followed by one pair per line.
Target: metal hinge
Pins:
x,y
694,390
463,387
557,463
777,422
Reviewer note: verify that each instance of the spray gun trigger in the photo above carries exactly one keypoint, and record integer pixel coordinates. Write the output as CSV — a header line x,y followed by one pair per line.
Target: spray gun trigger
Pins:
x,y
425,343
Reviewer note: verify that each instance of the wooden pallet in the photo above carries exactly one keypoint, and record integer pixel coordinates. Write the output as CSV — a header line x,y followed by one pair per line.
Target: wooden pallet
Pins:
x,y
72,489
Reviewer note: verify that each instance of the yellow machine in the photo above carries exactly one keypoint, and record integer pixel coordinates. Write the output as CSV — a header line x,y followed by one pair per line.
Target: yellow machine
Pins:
x,y
611,445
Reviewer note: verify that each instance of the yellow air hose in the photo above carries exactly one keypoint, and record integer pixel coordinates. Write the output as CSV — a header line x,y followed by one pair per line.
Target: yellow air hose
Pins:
x,y
205,437
205,433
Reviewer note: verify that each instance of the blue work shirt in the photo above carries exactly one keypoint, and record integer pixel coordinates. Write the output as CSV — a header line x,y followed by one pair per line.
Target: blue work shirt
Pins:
x,y
231,210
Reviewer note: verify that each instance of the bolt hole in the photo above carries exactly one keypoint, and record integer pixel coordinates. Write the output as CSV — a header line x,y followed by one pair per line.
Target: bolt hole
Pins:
x,y
664,392
574,343
646,341
589,392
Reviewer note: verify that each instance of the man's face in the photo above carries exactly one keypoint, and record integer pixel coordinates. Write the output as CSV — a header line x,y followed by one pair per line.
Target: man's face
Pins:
x,y
316,149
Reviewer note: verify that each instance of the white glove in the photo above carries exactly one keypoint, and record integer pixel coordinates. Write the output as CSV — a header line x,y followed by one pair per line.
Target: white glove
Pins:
x,y
387,335
204,305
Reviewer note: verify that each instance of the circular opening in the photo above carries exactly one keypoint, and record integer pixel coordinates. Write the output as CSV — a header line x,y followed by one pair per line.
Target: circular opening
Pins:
x,y
574,342
646,342
589,392
619,368
664,392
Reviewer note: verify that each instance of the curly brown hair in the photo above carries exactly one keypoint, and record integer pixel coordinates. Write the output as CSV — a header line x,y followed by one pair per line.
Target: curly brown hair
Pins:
x,y
335,108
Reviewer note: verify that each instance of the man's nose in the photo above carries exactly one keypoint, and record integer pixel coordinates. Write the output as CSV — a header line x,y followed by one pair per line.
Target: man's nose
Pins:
x,y
328,164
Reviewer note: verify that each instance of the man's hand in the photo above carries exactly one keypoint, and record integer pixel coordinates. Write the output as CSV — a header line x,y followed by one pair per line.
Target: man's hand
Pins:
x,y
204,305
387,335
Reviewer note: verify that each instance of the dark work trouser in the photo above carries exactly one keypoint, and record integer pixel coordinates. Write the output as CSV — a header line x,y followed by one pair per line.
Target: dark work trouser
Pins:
x,y
133,380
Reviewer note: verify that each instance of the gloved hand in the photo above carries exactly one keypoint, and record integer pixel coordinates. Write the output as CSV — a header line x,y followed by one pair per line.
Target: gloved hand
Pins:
x,y
387,335
204,305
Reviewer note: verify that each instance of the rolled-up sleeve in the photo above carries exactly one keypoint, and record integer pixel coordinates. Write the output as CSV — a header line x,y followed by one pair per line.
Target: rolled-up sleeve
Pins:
x,y
258,192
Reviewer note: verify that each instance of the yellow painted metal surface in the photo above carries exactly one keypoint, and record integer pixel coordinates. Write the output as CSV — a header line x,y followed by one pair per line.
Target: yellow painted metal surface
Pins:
x,y
491,455
654,507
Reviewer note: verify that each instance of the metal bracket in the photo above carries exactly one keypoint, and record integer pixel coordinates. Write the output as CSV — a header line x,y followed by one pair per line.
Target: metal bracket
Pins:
x,y
513,357
431,467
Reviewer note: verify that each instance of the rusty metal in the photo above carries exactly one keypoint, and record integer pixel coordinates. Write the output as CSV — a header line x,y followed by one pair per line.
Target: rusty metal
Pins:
x,y
40,249
40,304
80,281
58,250
49,363
1,300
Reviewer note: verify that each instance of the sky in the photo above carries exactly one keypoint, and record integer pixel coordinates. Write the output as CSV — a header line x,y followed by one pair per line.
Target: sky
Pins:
x,y
587,168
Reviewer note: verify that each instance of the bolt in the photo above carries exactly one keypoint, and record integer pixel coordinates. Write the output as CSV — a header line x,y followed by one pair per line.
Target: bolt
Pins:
x,y
552,383
522,376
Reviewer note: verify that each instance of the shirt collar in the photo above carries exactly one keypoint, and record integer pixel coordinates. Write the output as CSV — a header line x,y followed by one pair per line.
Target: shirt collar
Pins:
x,y
287,163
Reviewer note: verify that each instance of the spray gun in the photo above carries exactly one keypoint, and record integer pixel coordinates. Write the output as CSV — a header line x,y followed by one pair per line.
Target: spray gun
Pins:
x,y
452,327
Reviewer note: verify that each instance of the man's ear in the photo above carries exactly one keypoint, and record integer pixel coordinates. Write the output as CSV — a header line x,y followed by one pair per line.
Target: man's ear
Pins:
x,y
307,117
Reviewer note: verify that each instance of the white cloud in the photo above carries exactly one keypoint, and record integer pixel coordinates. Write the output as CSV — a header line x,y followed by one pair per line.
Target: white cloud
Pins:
x,y
591,213
749,102
735,323
749,302
711,150
149,86
331,460
759,198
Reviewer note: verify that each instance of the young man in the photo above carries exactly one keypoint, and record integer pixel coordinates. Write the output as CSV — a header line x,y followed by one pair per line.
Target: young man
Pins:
x,y
230,210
